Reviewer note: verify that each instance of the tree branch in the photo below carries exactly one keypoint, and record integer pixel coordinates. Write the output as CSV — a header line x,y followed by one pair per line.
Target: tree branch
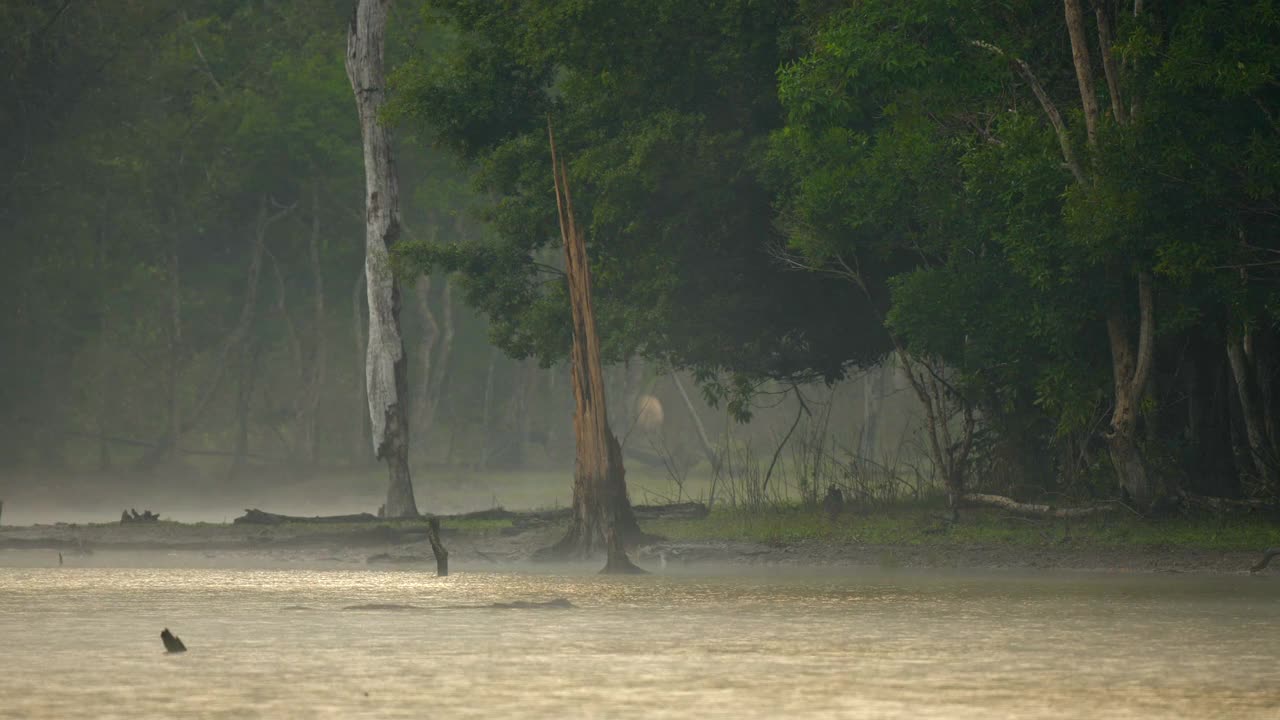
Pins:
x,y
1050,109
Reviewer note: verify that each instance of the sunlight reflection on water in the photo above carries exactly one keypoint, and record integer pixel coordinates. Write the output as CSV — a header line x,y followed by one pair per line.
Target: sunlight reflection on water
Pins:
x,y
82,643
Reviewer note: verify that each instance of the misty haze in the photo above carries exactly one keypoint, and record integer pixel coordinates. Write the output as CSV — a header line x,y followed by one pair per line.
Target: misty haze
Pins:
x,y
639,358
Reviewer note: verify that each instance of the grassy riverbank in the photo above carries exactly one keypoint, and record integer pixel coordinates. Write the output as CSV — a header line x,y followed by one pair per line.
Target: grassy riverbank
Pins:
x,y
916,535
925,525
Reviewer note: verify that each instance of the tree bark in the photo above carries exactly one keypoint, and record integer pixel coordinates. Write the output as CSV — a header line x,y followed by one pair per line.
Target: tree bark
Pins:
x,y
1266,460
1130,367
386,372
364,428
602,514
1084,68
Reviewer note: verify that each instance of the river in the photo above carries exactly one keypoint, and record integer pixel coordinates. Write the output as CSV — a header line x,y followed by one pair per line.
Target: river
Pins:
x,y
83,643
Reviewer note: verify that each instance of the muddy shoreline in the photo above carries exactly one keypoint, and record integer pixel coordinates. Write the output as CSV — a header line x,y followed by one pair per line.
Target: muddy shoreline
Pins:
x,y
405,546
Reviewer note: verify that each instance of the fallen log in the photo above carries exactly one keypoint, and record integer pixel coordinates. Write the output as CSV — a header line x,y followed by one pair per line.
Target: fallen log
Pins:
x,y
1034,509
1227,505
258,517
677,511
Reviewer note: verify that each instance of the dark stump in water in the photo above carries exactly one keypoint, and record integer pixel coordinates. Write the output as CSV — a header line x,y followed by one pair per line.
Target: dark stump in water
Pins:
x,y
171,642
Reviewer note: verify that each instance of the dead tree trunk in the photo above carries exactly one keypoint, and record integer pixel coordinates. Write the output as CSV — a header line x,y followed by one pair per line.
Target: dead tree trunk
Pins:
x,y
386,373
364,429
602,514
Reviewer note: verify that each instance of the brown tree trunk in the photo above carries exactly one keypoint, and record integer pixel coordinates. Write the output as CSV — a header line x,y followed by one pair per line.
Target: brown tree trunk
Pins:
x,y
1130,367
386,372
1084,68
602,514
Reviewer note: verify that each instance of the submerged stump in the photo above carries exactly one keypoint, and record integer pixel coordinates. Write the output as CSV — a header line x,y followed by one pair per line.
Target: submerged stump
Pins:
x,y
171,642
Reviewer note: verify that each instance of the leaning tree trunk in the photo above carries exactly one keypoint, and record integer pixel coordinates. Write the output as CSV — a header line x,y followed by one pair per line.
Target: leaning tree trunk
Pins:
x,y
385,369
602,515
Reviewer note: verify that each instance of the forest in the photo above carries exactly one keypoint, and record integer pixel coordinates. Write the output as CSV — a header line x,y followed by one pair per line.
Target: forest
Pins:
x,y
1052,224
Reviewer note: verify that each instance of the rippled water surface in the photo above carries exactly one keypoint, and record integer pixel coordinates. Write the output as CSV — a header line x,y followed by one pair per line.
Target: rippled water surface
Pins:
x,y
83,643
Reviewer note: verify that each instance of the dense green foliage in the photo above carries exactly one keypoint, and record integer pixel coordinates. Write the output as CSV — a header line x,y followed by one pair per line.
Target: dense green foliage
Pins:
x,y
773,192
147,146
738,162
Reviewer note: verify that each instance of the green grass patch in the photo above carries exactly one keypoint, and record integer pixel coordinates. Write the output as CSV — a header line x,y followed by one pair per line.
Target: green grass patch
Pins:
x,y
927,525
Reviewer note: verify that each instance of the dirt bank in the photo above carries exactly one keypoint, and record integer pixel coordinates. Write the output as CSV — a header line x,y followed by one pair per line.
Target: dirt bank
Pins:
x,y
404,544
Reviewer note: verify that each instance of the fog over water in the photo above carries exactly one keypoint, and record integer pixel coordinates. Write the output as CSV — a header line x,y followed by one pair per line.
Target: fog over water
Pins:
x,y
82,643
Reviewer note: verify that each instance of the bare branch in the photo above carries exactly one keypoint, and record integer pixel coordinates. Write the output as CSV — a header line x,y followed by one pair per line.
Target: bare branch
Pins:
x,y
1050,109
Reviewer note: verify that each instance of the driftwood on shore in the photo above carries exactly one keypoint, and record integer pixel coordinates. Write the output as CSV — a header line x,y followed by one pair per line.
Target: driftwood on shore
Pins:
x,y
1035,509
677,511
258,517
133,516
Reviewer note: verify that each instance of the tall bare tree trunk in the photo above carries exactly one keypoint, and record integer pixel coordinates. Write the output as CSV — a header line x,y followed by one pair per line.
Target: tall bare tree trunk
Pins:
x,y
386,372
602,515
